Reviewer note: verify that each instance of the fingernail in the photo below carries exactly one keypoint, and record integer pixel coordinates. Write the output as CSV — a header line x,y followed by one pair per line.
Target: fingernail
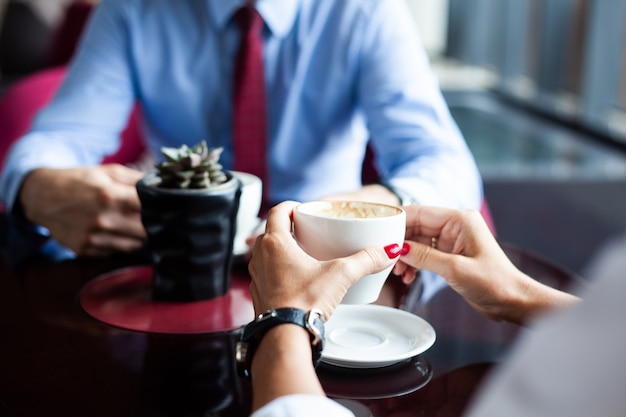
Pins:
x,y
405,249
393,251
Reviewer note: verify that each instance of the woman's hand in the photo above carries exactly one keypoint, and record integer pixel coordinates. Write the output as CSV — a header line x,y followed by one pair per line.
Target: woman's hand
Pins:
x,y
459,246
283,275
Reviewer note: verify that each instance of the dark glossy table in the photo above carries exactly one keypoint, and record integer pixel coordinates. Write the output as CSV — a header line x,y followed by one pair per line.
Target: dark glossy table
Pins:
x,y
57,360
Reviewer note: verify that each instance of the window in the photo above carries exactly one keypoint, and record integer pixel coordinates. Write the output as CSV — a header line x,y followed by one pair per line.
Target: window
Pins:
x,y
563,57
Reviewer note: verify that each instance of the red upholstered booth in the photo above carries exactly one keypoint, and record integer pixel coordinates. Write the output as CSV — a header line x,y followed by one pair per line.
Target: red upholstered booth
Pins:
x,y
21,102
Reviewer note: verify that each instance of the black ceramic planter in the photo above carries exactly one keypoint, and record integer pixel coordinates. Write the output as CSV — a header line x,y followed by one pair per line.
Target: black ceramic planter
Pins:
x,y
190,238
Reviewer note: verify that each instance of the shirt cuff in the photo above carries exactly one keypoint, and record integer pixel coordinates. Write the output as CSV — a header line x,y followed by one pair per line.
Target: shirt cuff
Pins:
x,y
302,405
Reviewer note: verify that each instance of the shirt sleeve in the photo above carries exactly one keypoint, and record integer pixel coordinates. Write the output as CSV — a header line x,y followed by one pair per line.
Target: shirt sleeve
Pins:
x,y
83,122
303,406
571,363
417,143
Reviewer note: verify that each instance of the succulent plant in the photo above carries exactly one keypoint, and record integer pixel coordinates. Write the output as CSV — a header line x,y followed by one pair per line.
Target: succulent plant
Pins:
x,y
195,167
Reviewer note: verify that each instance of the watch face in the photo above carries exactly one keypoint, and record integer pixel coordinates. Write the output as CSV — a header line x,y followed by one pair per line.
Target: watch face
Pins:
x,y
253,332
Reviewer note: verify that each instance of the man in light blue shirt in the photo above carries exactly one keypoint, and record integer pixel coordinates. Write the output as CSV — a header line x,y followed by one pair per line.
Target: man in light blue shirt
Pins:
x,y
338,73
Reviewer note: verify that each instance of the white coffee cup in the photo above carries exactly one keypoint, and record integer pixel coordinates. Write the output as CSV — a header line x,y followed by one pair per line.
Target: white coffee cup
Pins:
x,y
333,229
249,206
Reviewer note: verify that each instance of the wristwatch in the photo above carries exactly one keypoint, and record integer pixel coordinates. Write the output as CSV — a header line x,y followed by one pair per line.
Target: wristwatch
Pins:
x,y
253,332
405,198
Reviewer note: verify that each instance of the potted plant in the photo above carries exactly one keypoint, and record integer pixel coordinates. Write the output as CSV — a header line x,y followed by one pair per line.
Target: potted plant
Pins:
x,y
189,208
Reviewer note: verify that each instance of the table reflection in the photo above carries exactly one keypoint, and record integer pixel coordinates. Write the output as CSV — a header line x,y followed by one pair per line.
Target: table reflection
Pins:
x,y
367,384
193,376
55,359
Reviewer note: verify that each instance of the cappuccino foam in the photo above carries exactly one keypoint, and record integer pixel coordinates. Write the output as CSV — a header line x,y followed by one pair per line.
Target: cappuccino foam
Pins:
x,y
348,209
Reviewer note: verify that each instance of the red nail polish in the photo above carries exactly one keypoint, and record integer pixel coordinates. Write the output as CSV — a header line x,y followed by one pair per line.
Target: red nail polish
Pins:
x,y
405,249
393,251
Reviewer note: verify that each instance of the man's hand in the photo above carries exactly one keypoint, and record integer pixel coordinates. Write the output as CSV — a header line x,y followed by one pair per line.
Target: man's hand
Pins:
x,y
94,211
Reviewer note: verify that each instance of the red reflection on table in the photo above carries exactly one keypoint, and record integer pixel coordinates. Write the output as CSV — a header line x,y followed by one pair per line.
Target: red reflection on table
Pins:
x,y
123,299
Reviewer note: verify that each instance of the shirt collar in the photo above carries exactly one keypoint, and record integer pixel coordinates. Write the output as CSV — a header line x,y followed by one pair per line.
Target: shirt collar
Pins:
x,y
279,15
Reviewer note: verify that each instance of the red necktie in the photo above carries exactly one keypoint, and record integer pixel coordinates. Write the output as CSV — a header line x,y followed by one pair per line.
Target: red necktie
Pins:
x,y
249,100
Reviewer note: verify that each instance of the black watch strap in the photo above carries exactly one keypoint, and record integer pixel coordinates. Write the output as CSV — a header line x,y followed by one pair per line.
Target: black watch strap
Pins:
x,y
253,332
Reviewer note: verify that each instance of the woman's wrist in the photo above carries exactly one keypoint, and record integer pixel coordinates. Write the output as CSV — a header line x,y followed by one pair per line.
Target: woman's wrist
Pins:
x,y
284,358
532,299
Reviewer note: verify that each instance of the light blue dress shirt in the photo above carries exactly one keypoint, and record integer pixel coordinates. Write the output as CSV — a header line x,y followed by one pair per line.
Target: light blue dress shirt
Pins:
x,y
337,73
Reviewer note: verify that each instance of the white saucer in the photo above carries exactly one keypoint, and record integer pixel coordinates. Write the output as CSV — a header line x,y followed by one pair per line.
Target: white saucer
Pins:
x,y
240,247
373,336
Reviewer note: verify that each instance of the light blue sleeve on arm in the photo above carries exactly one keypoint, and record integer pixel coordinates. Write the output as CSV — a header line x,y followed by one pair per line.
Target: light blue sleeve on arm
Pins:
x,y
300,405
418,145
83,122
